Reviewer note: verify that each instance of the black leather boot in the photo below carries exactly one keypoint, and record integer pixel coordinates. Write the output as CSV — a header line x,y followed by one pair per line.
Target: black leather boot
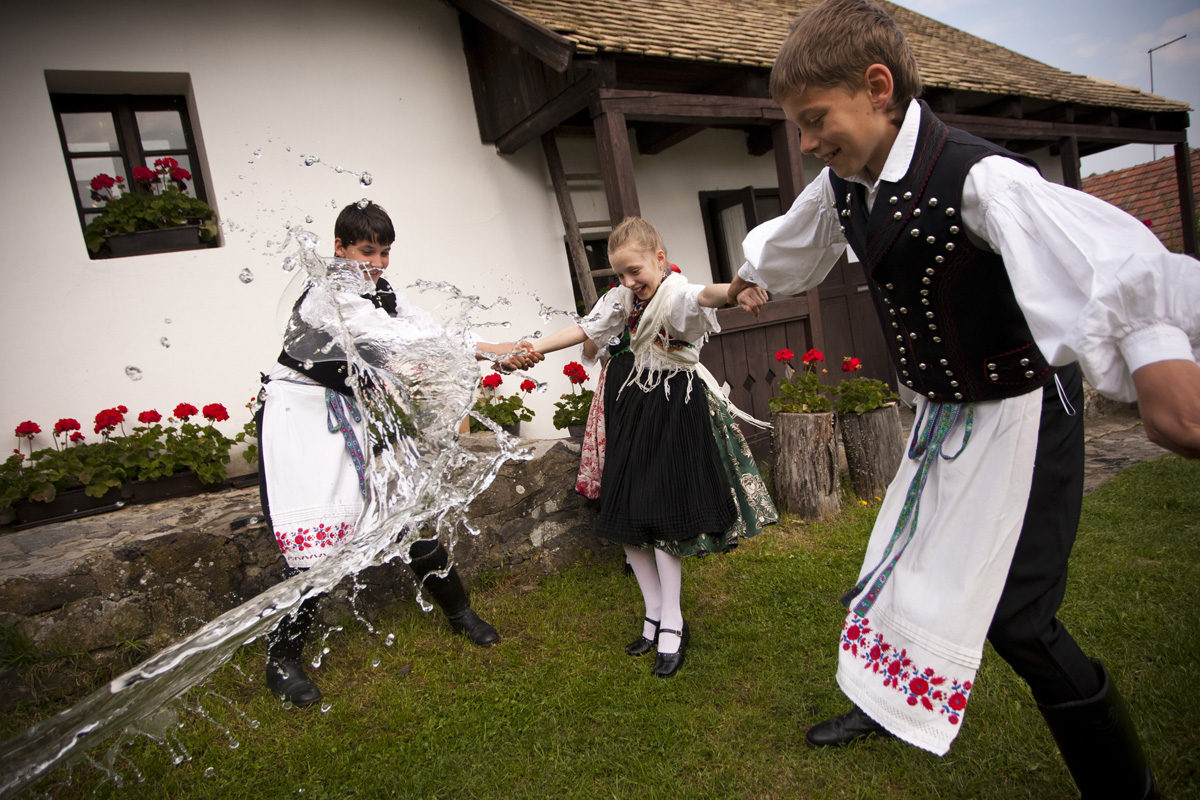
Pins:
x,y
1098,741
843,729
285,646
428,557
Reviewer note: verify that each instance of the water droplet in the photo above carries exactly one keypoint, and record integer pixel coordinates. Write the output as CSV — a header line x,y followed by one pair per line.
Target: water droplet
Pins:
x,y
390,640
288,148
337,169
505,324
333,203
252,521
614,340
290,263
167,320
520,489
325,707
616,306
537,334
165,342
258,154
364,203
310,160
375,661
254,724
208,773
308,363
246,276
365,179
133,373
241,177
233,744
308,219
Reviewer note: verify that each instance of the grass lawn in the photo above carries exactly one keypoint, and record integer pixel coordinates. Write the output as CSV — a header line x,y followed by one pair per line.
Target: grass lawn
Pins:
x,y
558,710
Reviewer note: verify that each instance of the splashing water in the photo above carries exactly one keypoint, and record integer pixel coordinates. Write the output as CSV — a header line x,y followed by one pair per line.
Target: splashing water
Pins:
x,y
133,373
246,276
165,342
365,179
416,388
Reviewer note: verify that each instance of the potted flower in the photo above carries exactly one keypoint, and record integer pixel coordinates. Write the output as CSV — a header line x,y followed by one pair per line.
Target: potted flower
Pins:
x,y
805,464
507,412
76,477
571,410
870,423
156,216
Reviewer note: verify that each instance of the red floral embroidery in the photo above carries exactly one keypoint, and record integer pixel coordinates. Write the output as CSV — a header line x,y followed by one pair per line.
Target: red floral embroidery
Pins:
x,y
921,687
319,536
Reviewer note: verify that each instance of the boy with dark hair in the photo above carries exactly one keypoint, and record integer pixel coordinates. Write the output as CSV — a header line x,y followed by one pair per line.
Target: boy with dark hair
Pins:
x,y
311,468
991,283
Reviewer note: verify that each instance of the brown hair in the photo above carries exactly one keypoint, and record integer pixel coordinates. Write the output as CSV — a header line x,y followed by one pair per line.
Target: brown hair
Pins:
x,y
831,46
635,232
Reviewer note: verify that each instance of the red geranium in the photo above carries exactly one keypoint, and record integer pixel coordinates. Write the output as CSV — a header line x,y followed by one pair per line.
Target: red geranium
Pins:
x,y
527,385
77,437
103,181
849,364
784,355
149,417
180,174
28,429
166,163
813,355
185,410
66,424
123,409
215,412
491,381
575,372
108,419
143,174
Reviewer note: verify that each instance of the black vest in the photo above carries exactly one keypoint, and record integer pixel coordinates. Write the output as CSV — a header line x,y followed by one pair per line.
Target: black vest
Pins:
x,y
953,326
333,374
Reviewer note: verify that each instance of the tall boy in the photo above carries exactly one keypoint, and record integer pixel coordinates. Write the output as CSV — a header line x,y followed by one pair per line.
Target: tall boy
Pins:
x,y
989,282
312,442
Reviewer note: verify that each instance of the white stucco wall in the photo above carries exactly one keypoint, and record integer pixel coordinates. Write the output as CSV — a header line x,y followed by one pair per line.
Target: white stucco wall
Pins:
x,y
373,86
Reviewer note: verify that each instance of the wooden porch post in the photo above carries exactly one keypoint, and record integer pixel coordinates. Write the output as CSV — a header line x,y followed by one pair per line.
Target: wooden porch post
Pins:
x,y
616,165
1069,153
1187,197
788,166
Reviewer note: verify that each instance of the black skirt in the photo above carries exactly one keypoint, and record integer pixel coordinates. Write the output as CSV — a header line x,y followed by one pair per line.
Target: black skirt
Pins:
x,y
663,479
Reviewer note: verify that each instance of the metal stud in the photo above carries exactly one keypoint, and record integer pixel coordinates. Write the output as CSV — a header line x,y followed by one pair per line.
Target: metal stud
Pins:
x,y
943,362
930,240
908,383
897,215
925,281
915,232
908,195
895,324
933,202
845,212
899,338
936,338
916,212
902,350
893,200
939,259
929,314
958,395
924,301
903,310
949,245
922,366
889,286
1024,362
931,395
991,366
903,360
954,229
847,197
933,327
929,270
949,212
843,228
924,292
1029,373
994,377
954,384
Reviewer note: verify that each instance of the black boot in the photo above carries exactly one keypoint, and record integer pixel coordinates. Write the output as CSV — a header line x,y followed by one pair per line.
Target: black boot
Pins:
x,y
285,645
428,557
843,729
1098,741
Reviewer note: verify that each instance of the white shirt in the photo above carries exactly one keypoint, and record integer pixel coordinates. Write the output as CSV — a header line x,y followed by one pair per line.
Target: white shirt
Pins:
x,y
1095,285
686,319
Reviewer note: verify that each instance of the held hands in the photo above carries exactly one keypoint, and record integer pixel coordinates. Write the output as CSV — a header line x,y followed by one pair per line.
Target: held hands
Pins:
x,y
521,356
1169,401
752,299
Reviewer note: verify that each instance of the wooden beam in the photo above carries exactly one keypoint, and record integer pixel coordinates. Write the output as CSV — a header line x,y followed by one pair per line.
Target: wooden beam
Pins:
x,y
562,106
759,140
536,39
789,168
700,109
1070,163
655,137
997,128
566,207
1187,197
616,163
1007,107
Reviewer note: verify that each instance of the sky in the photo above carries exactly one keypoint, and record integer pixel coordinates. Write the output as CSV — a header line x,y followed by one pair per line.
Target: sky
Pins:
x,y
1101,38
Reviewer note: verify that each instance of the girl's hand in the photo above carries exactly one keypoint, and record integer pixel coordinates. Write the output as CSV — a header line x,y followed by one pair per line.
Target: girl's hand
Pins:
x,y
752,299
523,355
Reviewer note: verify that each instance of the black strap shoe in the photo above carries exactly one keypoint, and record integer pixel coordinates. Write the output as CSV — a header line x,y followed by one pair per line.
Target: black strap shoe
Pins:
x,y
641,645
854,724
667,664
479,632
285,676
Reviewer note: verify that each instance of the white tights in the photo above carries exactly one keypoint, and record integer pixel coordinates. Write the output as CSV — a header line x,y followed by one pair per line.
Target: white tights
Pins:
x,y
660,577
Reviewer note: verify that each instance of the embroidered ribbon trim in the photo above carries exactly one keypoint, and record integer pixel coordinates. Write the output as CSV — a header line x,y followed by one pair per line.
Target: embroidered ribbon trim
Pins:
x,y
927,446
336,406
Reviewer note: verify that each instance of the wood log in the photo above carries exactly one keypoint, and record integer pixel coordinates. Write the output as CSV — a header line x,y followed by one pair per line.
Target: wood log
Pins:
x,y
805,465
874,446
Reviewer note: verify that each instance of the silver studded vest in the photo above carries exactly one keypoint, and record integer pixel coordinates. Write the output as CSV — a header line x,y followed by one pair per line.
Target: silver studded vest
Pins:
x,y
949,316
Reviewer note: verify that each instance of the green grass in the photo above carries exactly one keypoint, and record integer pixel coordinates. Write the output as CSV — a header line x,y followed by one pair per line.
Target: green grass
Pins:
x,y
558,710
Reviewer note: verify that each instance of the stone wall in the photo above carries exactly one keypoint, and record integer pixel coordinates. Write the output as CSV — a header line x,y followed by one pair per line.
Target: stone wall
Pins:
x,y
97,594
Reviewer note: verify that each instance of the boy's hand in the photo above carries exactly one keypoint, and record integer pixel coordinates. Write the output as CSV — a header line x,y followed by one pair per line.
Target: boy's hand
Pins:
x,y
523,356
1169,401
752,299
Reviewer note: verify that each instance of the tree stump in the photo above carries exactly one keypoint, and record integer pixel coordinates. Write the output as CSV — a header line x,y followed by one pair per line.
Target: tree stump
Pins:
x,y
874,447
805,466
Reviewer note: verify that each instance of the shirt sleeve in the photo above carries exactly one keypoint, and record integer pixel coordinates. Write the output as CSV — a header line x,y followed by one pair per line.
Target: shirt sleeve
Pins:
x,y
687,319
607,318
794,252
1095,285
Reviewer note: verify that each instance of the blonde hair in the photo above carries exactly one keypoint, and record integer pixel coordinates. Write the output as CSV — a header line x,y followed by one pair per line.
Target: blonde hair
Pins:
x,y
635,232
831,46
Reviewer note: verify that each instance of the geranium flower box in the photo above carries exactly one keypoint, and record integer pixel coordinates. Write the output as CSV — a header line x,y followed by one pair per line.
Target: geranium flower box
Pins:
x,y
164,240
66,505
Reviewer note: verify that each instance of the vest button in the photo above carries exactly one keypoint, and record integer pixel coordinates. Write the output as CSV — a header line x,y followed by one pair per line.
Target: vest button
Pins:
x,y
893,200
1024,362
1029,373
991,366
916,212
897,215
933,202
908,195
950,212
930,239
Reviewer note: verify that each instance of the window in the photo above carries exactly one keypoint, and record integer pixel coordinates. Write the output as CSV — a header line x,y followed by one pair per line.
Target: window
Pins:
x,y
112,134
728,217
